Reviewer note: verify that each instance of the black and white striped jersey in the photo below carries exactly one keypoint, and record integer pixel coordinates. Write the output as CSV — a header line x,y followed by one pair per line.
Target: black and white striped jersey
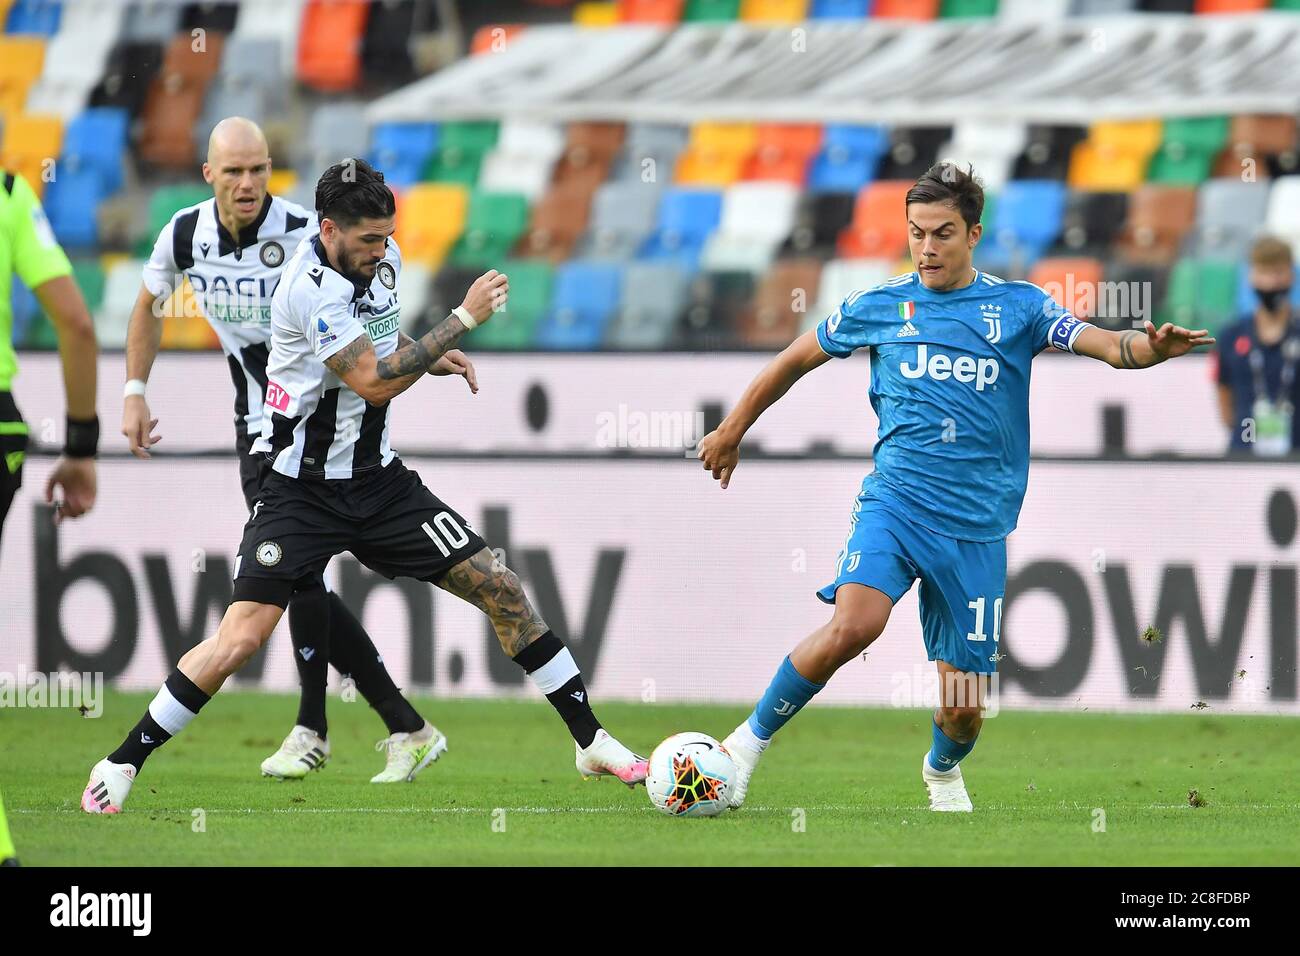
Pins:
x,y
233,279
315,426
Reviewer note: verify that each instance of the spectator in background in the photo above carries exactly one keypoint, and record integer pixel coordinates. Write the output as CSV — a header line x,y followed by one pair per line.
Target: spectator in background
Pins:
x,y
1257,358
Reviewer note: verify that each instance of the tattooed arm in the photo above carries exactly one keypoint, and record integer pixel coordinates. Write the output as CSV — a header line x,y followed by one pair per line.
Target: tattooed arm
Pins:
x,y
379,380
1134,349
484,581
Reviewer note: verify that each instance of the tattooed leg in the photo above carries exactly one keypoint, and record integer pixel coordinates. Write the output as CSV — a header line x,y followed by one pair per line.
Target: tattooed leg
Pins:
x,y
484,581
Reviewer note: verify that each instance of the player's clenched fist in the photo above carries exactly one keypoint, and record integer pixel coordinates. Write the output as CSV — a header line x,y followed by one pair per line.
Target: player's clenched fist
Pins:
x,y
719,454
488,294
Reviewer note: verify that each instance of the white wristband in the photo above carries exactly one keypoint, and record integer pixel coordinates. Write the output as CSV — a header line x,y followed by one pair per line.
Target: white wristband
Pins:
x,y
466,319
134,387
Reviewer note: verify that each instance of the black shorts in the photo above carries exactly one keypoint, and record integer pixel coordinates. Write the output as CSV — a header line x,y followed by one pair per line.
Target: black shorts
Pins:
x,y
251,468
388,519
13,447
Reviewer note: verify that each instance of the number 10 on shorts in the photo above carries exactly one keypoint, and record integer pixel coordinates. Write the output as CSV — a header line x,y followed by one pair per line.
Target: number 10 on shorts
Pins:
x,y
978,606
450,536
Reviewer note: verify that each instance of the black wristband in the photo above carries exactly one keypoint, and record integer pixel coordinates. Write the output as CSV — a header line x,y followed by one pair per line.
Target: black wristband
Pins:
x,y
83,438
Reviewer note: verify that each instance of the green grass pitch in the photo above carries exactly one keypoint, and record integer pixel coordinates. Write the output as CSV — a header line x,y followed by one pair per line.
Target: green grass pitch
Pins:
x,y
840,786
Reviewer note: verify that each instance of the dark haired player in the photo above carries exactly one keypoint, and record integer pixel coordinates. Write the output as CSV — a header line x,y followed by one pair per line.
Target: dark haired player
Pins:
x,y
947,342
334,484
232,249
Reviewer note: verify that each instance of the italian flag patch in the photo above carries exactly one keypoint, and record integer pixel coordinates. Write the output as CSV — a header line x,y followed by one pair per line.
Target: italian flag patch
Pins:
x,y
906,310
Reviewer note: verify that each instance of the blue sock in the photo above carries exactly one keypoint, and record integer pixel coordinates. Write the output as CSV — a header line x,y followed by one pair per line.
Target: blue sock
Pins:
x,y
784,698
946,753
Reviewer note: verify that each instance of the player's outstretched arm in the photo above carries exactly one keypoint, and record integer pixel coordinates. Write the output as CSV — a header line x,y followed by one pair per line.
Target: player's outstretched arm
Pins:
x,y
79,352
379,380
1134,349
143,337
720,449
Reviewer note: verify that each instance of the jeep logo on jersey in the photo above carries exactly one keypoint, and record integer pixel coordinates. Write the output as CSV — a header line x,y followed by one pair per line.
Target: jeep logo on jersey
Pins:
x,y
386,275
272,254
963,368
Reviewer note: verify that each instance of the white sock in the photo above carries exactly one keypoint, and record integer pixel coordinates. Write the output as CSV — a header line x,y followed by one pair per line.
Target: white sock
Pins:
x,y
751,739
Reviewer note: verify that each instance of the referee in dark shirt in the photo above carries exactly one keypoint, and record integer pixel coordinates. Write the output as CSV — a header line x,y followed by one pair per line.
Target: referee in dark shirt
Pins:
x,y
1258,358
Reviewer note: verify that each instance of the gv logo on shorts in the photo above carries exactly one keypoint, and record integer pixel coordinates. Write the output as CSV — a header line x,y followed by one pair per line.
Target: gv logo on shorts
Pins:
x,y
941,367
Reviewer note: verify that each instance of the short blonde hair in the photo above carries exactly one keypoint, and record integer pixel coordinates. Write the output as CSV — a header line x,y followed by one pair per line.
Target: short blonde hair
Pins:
x,y
1270,252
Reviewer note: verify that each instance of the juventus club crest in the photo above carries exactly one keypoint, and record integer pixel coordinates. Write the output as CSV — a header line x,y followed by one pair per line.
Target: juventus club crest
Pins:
x,y
272,254
386,275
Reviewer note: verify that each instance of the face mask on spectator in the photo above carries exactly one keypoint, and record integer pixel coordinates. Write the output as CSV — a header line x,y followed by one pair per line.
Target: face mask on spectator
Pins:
x,y
1272,299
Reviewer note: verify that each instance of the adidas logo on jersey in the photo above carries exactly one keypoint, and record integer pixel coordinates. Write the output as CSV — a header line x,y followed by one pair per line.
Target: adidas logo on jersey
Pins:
x,y
963,368
907,329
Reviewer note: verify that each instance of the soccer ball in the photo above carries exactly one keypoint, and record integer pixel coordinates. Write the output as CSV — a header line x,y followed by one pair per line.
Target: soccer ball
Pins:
x,y
690,776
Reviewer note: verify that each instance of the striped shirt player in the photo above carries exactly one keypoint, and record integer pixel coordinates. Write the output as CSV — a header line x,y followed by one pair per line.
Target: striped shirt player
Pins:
x,y
233,278
315,425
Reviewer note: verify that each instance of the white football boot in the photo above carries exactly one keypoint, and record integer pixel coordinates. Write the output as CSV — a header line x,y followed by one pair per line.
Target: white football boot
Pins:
x,y
408,754
109,785
303,751
606,756
741,744
947,789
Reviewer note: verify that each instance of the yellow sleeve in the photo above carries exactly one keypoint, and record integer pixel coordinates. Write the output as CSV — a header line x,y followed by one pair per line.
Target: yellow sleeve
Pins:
x,y
37,255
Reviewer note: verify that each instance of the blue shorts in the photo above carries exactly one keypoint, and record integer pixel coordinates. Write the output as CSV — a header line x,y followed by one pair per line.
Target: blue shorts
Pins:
x,y
962,582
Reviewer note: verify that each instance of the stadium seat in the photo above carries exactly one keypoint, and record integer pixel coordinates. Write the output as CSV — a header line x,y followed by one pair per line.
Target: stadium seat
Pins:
x,y
151,22
430,218
686,218
951,9
1158,218
68,199
774,11
714,307
386,43
1029,218
596,14
839,279
414,286
1073,283
1229,213
593,142
783,153
556,222
494,37
1018,11
654,296
89,276
493,224
819,219
906,9
650,11
401,150
329,44
623,214
1283,217
1100,8
1231,6
278,20
781,303
166,201
1260,145
1202,294
848,158
839,9
21,60
716,154
1047,152
913,150
121,289
29,145
697,11
515,327
1105,170
756,218
523,159
879,226
1132,293
40,17
1091,220
460,152
337,131
220,17
585,297
132,67
1166,6
282,182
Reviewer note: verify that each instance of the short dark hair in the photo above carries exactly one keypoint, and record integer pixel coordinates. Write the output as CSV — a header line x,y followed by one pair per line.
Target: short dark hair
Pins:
x,y
956,187
353,190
